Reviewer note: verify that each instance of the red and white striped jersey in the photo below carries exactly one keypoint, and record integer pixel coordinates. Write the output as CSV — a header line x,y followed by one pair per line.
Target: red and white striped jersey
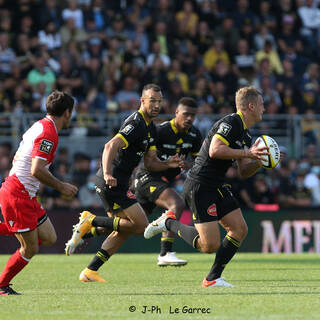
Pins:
x,y
39,141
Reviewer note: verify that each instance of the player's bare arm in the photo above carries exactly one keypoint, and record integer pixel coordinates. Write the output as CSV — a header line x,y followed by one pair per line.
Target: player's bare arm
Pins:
x,y
110,151
39,170
248,167
219,150
153,163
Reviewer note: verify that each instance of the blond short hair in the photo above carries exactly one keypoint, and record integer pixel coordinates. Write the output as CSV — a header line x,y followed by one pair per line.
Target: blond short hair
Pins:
x,y
246,95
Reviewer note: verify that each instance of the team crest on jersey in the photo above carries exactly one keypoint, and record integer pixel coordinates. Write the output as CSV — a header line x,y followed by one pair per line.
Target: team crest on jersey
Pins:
x,y
127,129
212,210
224,128
46,146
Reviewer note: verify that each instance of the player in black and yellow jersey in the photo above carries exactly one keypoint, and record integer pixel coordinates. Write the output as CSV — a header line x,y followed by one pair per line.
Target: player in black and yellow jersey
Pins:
x,y
136,138
177,136
209,198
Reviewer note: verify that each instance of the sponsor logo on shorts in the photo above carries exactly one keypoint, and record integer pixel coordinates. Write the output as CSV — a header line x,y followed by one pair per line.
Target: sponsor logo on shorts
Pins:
x,y
130,195
212,210
46,146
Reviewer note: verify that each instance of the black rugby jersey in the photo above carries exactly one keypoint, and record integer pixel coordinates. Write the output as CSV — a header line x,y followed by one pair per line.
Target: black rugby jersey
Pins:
x,y
139,137
233,132
170,142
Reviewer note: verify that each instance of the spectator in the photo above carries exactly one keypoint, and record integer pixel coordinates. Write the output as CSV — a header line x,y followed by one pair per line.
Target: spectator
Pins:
x,y
49,11
87,195
272,56
7,55
262,36
41,73
187,20
244,61
73,12
127,97
69,77
104,102
139,13
215,53
175,73
156,52
266,17
310,17
70,32
49,36
227,31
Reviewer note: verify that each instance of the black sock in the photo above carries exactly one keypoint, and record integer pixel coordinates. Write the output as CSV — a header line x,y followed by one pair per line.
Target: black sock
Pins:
x,y
99,259
187,233
227,250
93,233
112,223
166,245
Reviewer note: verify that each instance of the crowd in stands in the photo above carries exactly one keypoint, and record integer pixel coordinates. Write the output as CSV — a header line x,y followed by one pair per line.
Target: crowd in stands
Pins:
x,y
103,52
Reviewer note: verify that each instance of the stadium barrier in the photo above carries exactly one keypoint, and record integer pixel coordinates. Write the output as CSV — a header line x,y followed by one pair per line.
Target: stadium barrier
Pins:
x,y
284,231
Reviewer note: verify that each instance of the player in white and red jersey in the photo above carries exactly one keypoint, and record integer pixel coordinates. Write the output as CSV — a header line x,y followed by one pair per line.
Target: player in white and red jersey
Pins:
x,y
23,215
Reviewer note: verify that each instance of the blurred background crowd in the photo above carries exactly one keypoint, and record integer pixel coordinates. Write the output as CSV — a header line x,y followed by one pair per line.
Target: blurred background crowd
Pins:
x,y
103,52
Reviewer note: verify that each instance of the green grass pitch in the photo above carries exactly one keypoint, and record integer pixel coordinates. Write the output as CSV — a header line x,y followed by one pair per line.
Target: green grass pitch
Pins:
x,y
270,286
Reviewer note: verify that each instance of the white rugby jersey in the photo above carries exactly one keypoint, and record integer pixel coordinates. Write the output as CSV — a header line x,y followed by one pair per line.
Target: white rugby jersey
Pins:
x,y
39,141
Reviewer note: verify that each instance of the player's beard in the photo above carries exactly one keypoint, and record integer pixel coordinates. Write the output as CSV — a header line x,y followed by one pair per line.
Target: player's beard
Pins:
x,y
153,113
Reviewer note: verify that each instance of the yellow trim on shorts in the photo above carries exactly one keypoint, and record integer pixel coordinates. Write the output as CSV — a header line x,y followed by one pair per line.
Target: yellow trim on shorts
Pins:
x,y
220,192
153,148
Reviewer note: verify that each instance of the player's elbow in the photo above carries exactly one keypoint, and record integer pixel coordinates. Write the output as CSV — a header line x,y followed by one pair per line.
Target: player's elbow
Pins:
x,y
148,164
34,171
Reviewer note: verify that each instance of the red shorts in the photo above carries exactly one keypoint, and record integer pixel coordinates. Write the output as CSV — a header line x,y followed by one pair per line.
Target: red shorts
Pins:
x,y
20,213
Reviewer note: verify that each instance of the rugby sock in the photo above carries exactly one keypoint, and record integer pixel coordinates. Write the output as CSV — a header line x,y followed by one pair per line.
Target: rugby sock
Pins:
x,y
227,250
14,265
4,230
99,259
188,233
166,245
112,223
93,233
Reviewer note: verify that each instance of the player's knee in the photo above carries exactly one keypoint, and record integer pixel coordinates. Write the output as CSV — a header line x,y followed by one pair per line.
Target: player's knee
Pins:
x,y
242,232
209,247
139,229
52,240
30,250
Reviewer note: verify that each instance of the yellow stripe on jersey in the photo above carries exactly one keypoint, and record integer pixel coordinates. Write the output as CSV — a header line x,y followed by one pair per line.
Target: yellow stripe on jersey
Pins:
x,y
123,139
218,136
242,119
141,112
173,126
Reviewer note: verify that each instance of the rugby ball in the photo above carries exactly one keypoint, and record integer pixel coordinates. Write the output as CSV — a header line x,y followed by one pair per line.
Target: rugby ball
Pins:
x,y
271,160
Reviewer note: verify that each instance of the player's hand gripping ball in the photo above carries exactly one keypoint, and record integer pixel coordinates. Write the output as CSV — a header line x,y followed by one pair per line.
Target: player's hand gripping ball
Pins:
x,y
271,160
